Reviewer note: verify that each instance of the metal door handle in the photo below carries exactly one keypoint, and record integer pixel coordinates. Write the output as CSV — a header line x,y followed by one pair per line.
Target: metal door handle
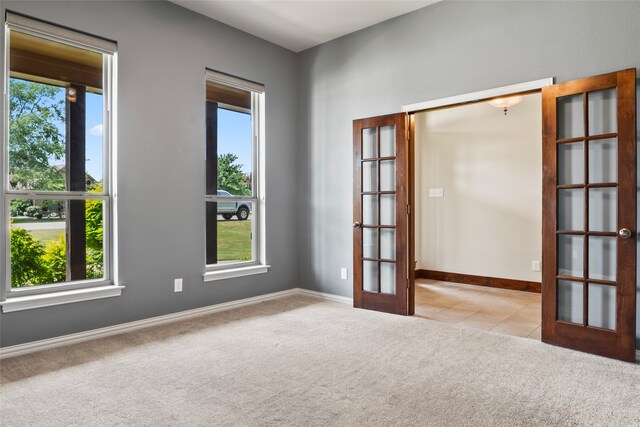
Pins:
x,y
625,233
357,225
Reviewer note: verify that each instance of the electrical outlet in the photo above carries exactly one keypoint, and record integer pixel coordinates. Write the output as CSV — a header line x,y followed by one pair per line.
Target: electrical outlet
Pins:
x,y
535,265
177,285
436,192
343,274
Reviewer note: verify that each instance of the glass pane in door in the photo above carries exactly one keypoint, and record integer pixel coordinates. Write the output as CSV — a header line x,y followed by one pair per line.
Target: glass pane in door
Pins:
x,y
369,210
571,209
369,143
603,209
603,160
388,243
387,209
387,278
370,276
603,112
571,163
602,306
570,255
369,176
387,141
570,117
388,175
370,243
602,258
570,306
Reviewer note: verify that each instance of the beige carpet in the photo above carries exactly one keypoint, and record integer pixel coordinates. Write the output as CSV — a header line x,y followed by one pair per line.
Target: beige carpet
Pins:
x,y
304,361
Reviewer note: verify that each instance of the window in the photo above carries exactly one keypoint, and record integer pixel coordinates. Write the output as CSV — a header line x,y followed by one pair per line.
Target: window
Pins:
x,y
234,187
57,175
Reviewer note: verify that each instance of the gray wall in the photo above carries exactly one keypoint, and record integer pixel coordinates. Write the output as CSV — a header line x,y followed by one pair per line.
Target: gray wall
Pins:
x,y
446,49
163,51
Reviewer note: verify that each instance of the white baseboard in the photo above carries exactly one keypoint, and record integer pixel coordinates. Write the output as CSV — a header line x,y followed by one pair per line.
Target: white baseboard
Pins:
x,y
332,297
32,347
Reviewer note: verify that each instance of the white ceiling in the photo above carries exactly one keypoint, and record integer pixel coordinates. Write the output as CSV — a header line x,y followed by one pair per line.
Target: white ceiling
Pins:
x,y
300,24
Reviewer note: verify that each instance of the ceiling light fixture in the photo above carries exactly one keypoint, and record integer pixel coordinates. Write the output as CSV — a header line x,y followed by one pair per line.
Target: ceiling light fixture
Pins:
x,y
506,102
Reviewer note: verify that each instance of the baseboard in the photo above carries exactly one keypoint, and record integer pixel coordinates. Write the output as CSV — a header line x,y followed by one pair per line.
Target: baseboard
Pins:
x,y
637,356
32,347
35,346
469,279
331,297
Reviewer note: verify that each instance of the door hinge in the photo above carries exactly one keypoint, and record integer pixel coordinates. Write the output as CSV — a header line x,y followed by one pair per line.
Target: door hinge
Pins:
x,y
408,209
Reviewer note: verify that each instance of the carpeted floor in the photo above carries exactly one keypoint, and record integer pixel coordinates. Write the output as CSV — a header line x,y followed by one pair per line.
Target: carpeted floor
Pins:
x,y
305,361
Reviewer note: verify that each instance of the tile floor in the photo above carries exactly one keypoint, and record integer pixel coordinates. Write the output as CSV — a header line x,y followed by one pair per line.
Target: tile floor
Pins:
x,y
498,310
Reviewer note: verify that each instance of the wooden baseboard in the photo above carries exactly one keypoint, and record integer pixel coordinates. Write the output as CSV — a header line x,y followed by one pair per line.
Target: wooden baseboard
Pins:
x,y
469,279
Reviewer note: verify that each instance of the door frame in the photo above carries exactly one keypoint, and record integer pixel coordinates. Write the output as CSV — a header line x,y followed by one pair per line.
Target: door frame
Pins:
x,y
525,88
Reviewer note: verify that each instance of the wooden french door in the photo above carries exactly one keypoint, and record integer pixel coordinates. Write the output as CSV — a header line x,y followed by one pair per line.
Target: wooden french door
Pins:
x,y
380,210
589,214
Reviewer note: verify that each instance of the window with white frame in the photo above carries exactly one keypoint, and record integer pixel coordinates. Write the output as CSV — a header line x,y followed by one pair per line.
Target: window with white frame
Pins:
x,y
57,173
234,195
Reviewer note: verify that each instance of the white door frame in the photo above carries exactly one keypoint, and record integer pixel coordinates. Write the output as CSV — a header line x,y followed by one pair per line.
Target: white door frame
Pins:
x,y
478,96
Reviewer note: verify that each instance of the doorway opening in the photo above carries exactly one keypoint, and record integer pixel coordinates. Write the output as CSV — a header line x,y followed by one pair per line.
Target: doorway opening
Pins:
x,y
477,212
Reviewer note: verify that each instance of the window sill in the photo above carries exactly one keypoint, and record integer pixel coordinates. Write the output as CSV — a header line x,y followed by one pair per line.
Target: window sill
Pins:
x,y
210,276
56,298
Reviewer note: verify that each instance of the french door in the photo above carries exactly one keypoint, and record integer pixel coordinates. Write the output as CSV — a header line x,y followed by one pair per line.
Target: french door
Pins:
x,y
380,213
589,214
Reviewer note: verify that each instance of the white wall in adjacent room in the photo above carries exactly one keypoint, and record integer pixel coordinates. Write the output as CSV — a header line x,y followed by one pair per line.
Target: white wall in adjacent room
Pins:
x,y
489,166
